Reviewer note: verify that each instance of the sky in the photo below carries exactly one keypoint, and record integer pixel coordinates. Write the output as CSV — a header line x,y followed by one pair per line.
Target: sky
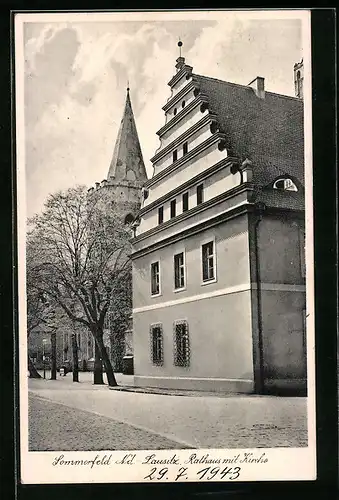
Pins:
x,y
76,73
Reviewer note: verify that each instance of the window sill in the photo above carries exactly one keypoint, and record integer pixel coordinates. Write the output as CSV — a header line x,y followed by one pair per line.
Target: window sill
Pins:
x,y
207,282
182,289
154,295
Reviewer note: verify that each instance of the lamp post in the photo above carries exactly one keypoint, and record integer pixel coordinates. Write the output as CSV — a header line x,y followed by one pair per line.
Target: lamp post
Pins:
x,y
43,355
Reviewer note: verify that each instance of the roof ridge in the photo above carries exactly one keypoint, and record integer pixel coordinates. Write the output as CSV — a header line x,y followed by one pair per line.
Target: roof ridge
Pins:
x,y
247,87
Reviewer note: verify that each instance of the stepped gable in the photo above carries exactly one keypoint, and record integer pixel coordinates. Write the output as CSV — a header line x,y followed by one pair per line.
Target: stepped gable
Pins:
x,y
268,130
127,162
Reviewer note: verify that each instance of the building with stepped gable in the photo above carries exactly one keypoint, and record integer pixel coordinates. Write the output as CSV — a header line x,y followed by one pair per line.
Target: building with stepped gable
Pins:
x,y
218,256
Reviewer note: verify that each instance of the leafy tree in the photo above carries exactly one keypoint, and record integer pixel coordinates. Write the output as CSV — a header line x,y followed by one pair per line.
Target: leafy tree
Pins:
x,y
79,254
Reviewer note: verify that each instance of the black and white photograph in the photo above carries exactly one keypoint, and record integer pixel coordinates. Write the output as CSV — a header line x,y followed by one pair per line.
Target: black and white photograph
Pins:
x,y
166,303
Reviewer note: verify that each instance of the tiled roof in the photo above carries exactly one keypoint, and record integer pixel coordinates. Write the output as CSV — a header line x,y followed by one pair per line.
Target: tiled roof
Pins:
x,y
267,131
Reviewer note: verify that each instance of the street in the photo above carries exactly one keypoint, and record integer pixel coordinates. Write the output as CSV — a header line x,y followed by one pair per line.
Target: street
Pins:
x,y
80,416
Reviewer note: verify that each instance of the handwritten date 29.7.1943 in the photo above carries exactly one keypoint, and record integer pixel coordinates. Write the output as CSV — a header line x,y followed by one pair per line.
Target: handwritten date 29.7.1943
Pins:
x,y
182,473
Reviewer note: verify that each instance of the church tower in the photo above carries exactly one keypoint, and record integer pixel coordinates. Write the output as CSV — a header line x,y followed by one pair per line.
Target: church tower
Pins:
x,y
121,192
127,174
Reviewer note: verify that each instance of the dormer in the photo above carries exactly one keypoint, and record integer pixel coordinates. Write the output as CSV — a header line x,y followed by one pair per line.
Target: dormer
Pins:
x,y
285,184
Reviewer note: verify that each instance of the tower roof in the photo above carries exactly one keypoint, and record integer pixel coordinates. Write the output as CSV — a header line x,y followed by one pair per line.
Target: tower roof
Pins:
x,y
127,163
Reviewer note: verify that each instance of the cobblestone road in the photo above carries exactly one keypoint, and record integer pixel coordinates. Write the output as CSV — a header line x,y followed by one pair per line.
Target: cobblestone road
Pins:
x,y
56,427
193,421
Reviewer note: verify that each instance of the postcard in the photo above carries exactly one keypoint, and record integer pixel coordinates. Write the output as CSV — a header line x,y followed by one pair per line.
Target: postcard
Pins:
x,y
166,292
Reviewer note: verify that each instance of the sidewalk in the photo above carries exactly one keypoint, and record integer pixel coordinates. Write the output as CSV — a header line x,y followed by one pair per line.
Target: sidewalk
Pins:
x,y
85,380
199,421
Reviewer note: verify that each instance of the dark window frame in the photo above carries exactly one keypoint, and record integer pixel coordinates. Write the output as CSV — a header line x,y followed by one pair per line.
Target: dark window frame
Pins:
x,y
155,278
185,148
181,344
157,344
208,261
173,208
175,155
179,271
160,215
185,206
200,194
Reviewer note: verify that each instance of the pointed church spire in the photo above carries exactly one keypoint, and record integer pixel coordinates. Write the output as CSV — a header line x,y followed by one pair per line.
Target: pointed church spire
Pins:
x,y
127,163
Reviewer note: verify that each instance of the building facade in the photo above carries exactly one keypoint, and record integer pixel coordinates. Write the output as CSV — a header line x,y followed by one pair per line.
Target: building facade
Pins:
x,y
218,256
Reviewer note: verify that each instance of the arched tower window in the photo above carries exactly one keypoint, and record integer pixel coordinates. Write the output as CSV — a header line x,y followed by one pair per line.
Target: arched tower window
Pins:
x,y
129,219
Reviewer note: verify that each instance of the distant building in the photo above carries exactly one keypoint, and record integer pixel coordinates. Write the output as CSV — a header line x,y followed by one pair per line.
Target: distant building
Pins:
x,y
218,260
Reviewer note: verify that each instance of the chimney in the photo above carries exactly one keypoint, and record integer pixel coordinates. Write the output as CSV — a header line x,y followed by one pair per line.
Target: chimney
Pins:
x,y
299,79
258,85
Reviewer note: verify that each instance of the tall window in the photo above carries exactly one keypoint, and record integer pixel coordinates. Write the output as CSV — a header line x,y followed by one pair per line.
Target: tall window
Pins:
x,y
208,261
185,148
175,155
157,349
179,270
155,278
185,202
181,344
160,215
173,208
200,194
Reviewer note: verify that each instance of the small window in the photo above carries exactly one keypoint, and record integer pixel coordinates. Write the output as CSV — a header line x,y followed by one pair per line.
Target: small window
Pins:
x,y
183,104
160,215
175,111
208,261
157,350
173,208
285,185
185,202
200,194
155,278
185,148
181,344
175,155
179,270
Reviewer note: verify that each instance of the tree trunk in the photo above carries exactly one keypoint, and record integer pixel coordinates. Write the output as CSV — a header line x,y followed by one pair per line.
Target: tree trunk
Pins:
x,y
53,356
33,372
75,364
107,362
98,378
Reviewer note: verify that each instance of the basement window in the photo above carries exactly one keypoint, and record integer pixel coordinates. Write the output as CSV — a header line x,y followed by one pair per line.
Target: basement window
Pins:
x,y
285,185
